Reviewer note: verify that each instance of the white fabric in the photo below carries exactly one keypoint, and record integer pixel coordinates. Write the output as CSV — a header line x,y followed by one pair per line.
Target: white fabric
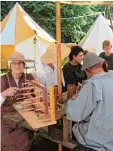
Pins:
x,y
99,32
8,33
31,50
46,75
27,46
17,80
1,100
40,32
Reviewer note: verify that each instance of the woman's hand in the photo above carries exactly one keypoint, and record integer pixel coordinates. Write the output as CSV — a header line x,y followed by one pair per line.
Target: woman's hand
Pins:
x,y
10,92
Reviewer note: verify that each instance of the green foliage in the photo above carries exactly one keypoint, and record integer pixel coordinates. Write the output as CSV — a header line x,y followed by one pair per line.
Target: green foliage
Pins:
x,y
44,13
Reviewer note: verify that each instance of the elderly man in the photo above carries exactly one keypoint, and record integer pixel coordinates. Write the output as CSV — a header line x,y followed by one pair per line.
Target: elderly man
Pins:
x,y
13,136
92,108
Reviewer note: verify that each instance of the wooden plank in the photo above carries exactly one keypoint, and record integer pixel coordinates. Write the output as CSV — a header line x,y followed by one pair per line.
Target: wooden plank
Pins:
x,y
58,40
87,2
71,88
52,104
45,98
60,147
70,145
34,119
65,129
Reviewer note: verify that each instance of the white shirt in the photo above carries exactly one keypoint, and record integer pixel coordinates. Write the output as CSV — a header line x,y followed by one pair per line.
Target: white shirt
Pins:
x,y
1,100
46,75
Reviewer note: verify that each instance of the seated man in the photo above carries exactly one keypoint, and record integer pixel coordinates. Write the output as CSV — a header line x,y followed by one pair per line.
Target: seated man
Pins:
x,y
92,108
72,70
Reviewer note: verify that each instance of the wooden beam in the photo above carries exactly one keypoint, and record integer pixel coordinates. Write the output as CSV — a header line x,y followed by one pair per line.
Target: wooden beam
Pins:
x,y
60,147
52,104
87,2
109,16
58,38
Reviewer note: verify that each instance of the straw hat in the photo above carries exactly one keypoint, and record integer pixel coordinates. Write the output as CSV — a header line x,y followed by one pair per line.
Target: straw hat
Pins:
x,y
19,56
91,59
51,54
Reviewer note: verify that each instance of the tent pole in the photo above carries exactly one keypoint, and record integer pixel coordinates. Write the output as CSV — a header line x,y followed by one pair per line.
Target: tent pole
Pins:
x,y
109,16
58,39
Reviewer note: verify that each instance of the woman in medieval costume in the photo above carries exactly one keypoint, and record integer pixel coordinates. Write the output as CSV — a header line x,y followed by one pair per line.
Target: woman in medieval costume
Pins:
x,y
13,136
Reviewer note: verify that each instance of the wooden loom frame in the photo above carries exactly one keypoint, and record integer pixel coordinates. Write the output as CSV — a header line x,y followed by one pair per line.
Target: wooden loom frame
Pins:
x,y
37,113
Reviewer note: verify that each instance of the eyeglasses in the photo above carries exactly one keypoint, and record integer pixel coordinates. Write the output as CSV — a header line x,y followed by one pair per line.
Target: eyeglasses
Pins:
x,y
17,63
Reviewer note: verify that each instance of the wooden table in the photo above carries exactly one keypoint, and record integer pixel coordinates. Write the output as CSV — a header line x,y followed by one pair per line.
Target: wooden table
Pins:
x,y
44,132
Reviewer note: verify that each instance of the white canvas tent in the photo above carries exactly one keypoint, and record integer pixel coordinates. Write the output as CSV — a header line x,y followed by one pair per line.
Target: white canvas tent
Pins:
x,y
99,32
17,33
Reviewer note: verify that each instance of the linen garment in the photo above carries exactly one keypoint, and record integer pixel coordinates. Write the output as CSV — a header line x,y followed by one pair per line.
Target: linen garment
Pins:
x,y
92,111
13,136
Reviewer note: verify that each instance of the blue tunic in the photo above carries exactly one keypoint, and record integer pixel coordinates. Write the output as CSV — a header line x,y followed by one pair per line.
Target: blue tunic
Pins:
x,y
92,111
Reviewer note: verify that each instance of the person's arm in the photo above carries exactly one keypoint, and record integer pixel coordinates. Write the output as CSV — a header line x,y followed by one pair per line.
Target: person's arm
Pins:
x,y
8,92
5,91
81,107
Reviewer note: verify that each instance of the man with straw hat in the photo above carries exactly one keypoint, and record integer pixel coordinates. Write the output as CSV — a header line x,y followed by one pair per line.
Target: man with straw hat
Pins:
x,y
92,108
13,136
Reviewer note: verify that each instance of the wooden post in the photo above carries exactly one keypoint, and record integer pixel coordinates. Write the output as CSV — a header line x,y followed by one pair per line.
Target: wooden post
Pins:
x,y
67,125
37,93
109,16
71,89
52,104
59,147
58,39
45,98
55,97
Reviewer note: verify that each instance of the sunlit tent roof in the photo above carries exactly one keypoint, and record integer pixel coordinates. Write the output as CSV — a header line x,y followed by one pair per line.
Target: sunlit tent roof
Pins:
x,y
18,31
99,32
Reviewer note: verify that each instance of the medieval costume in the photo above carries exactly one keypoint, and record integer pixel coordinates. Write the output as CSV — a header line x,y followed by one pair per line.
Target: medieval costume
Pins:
x,y
13,136
109,59
73,74
92,111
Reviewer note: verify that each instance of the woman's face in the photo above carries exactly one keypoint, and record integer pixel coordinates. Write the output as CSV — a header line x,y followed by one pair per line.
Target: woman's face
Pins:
x,y
107,49
17,67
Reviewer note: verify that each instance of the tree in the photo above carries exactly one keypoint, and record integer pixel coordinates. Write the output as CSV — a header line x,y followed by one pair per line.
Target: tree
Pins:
x,y
72,29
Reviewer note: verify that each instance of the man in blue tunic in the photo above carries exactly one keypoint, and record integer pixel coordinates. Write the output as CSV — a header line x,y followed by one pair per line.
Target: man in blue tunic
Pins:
x,y
92,108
